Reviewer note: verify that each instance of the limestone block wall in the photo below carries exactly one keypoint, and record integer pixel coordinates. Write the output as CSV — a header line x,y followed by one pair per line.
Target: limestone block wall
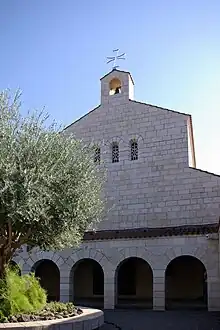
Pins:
x,y
158,252
158,189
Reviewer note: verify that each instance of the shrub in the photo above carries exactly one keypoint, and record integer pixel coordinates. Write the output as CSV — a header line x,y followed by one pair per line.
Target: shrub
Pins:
x,y
60,307
20,294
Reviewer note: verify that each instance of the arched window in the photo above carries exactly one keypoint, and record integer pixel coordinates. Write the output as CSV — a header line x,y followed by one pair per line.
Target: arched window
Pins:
x,y
114,86
115,152
134,149
97,155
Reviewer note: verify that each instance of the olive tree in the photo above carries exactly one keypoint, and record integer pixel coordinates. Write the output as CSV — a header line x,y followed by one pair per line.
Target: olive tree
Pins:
x,y
50,188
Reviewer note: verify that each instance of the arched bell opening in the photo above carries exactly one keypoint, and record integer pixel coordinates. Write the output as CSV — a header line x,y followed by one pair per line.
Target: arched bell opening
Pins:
x,y
115,86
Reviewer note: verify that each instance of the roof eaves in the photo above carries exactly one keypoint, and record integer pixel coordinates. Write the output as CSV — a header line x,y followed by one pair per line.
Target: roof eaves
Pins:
x,y
203,171
136,233
116,70
82,117
158,107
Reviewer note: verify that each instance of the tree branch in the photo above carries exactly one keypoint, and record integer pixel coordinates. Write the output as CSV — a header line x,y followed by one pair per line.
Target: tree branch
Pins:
x,y
9,232
22,240
3,241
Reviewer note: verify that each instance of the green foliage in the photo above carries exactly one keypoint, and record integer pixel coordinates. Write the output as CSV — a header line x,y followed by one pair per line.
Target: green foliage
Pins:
x,y
20,294
35,293
59,307
50,188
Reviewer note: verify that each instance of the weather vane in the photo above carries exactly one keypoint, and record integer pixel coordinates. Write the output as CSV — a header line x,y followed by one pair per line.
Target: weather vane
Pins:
x,y
115,58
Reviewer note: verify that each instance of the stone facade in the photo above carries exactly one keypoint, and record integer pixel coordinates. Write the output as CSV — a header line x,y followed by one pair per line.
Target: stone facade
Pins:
x,y
162,188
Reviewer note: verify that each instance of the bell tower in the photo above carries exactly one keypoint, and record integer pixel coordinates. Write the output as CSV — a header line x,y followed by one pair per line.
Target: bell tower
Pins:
x,y
117,84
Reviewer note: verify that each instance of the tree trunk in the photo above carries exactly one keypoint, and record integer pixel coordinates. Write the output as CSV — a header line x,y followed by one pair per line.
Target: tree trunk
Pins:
x,y
4,259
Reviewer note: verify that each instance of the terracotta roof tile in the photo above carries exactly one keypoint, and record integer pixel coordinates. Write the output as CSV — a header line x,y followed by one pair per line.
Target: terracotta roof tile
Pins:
x,y
152,232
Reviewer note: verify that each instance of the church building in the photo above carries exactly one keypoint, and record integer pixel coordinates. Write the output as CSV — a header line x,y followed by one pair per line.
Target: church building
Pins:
x,y
157,247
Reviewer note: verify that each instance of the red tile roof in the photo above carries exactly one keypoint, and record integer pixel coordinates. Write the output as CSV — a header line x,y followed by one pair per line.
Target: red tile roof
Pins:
x,y
152,232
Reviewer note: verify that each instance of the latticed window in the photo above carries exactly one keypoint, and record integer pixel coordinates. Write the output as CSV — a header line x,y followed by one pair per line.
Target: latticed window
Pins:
x,y
97,155
134,150
115,152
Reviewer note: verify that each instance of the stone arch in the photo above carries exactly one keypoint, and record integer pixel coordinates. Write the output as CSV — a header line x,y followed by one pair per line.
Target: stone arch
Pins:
x,y
87,253
95,142
136,137
135,252
134,283
117,139
197,252
80,254
39,255
49,276
186,283
87,283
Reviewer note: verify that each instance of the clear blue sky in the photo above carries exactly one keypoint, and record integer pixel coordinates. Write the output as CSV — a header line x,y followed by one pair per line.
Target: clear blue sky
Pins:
x,y
55,52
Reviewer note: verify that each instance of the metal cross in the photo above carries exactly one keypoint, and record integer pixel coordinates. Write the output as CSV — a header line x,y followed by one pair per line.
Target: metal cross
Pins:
x,y
115,58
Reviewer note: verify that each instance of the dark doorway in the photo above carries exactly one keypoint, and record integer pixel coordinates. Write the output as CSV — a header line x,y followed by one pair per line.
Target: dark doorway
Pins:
x,y
134,283
49,277
186,284
87,279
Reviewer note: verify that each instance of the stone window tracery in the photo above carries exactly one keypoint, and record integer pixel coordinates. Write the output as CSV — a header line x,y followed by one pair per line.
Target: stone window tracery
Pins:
x,y
97,155
134,149
115,152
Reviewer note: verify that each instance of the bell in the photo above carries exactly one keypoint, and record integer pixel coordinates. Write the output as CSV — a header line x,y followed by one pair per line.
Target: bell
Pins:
x,y
117,90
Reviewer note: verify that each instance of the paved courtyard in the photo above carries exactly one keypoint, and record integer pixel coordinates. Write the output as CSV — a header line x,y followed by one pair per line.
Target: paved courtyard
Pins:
x,y
169,320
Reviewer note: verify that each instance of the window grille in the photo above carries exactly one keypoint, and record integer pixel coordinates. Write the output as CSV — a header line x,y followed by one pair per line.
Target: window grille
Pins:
x,y
97,156
134,150
115,152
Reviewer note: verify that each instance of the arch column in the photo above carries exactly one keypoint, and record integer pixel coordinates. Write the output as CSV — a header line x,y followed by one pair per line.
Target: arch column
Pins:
x,y
26,269
159,289
109,289
213,293
213,282
64,283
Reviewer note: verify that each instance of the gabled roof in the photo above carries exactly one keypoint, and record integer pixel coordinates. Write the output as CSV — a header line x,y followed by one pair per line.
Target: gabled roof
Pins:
x,y
116,70
86,114
158,107
149,105
203,171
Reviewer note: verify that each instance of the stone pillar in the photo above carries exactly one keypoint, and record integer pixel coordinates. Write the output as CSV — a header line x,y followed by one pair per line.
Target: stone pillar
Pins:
x,y
109,291
65,285
26,269
213,294
159,290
